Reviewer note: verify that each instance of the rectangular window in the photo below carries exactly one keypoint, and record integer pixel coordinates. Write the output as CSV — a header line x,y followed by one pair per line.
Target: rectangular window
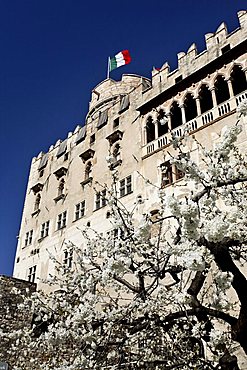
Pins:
x,y
41,173
81,135
225,49
169,174
122,188
62,148
117,233
100,199
92,139
103,198
68,258
124,103
45,229
178,174
116,122
128,185
80,210
178,79
28,238
166,174
43,162
103,117
125,186
97,201
31,274
61,220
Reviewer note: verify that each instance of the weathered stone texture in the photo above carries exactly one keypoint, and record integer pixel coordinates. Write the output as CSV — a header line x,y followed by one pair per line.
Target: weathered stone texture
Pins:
x,y
13,316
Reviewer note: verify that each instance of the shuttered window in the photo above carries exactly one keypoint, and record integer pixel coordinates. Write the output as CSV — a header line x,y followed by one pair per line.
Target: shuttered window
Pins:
x,y
103,117
62,148
124,103
43,162
81,135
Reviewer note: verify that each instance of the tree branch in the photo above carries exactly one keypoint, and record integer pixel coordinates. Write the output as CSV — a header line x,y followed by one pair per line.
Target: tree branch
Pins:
x,y
126,283
219,184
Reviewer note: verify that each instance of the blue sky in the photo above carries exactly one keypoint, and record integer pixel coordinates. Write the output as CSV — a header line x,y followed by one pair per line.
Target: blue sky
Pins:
x,y
53,52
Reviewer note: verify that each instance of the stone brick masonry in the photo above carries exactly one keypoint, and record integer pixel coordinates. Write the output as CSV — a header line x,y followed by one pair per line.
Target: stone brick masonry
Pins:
x,y
13,317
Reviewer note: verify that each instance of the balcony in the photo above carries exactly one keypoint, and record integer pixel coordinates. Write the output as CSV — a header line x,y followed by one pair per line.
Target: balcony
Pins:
x,y
206,118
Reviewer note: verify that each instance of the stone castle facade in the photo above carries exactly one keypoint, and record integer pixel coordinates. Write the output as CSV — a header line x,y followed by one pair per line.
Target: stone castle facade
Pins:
x,y
131,122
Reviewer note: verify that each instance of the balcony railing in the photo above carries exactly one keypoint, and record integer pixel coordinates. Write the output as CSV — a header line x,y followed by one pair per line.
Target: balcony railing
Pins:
x,y
205,118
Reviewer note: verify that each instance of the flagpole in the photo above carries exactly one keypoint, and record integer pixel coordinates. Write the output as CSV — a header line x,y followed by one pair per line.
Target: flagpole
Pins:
x,y
108,68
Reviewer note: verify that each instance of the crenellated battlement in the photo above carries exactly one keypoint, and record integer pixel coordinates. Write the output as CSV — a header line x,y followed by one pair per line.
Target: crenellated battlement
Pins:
x,y
217,44
108,93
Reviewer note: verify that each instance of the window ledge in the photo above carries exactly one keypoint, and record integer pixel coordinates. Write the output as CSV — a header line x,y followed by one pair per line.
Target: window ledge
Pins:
x,y
37,187
61,228
40,239
61,196
89,153
87,181
77,219
122,196
36,212
116,164
172,183
97,209
26,246
115,136
60,172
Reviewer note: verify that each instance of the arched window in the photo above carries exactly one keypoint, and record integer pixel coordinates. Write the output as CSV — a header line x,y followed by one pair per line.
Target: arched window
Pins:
x,y
205,96
150,130
190,107
37,202
221,89
116,152
61,187
88,170
162,123
238,78
176,115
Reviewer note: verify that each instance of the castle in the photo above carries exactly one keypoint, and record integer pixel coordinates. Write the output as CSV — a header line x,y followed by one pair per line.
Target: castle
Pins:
x,y
129,122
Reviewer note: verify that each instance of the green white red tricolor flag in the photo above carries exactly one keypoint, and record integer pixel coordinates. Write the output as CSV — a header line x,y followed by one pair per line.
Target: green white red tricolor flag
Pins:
x,y
120,59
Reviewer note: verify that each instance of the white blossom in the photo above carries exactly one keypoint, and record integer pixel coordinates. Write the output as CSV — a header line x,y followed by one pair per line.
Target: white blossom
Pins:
x,y
148,290
242,108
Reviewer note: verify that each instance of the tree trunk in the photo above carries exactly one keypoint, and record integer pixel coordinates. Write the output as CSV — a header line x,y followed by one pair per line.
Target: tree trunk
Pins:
x,y
228,362
239,283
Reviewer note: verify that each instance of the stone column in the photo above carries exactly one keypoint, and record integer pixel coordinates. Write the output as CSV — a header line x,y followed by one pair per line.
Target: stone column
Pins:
x,y
145,135
156,129
229,82
213,96
245,71
183,114
198,106
169,123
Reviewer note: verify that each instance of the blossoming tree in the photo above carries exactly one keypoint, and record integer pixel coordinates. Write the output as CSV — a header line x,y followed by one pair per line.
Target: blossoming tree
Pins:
x,y
165,293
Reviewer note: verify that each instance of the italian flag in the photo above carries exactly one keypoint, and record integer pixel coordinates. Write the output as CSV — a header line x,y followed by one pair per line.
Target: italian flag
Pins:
x,y
120,59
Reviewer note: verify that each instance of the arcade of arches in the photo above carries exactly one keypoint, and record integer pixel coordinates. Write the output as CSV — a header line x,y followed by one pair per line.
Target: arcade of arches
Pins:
x,y
192,106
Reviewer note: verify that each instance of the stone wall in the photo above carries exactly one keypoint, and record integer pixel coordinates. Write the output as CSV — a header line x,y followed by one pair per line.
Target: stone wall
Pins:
x,y
13,317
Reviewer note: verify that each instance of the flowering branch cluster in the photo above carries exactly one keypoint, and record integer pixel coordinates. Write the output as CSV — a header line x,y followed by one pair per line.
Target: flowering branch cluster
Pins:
x,y
165,293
